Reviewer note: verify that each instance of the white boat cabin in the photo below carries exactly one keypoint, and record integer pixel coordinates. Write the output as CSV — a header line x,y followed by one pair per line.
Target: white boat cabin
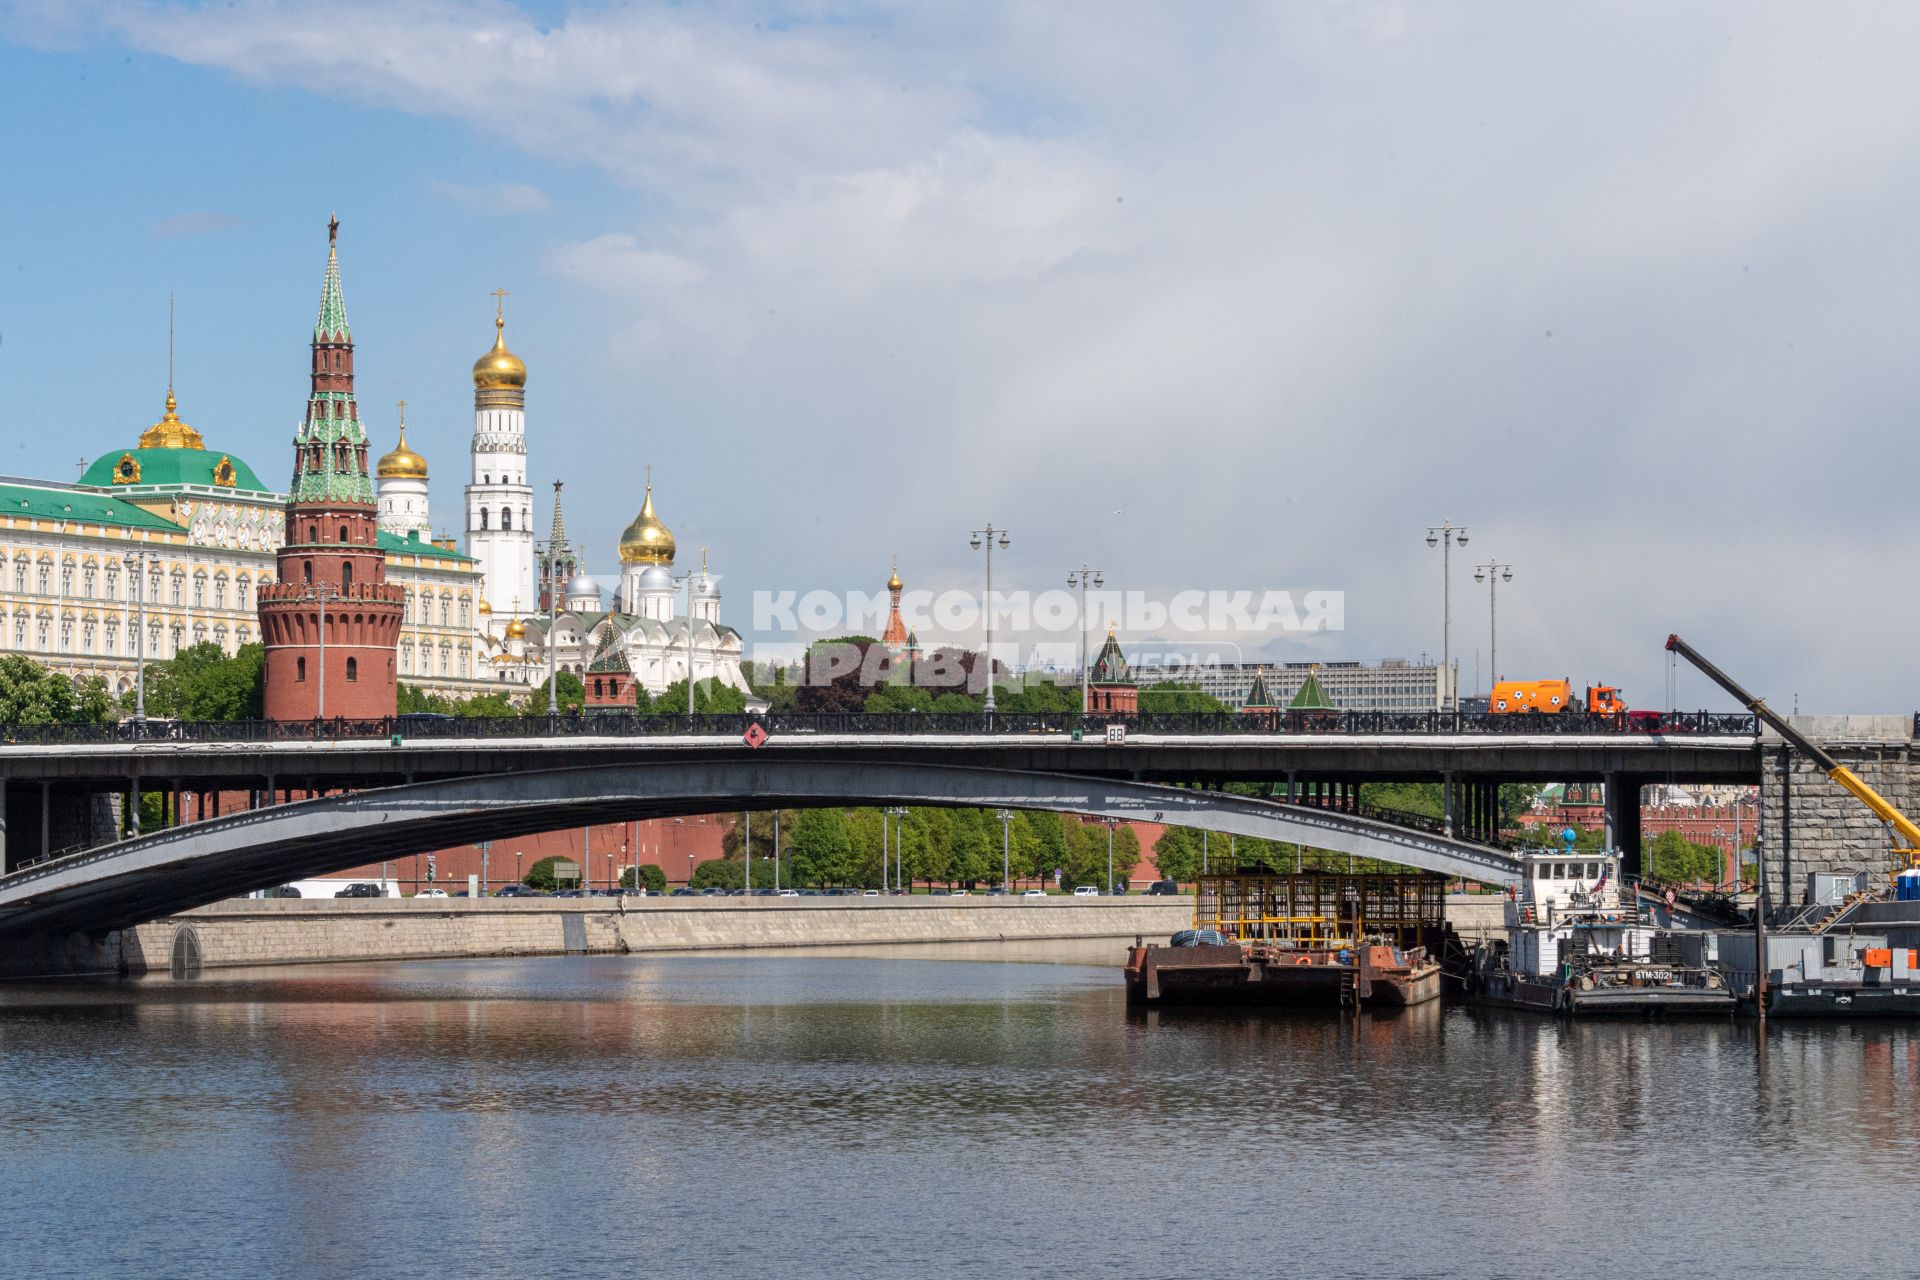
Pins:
x,y
1568,904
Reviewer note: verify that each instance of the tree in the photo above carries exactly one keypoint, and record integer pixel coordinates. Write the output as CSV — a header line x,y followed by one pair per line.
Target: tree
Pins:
x,y
30,694
202,683
573,694
1171,696
1673,858
821,851
652,878
540,876
1178,853
710,697
716,873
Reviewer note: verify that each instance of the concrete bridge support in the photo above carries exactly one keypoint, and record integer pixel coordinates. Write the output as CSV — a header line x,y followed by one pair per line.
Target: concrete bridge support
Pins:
x,y
1623,820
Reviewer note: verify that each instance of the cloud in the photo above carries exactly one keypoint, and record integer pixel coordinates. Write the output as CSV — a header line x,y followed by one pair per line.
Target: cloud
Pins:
x,y
496,197
193,224
1630,292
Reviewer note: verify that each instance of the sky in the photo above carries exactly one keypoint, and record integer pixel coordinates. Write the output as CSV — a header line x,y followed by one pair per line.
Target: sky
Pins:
x,y
1229,296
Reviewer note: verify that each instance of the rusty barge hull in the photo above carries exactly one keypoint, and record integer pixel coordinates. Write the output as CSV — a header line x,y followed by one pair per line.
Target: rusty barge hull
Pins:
x,y
1226,976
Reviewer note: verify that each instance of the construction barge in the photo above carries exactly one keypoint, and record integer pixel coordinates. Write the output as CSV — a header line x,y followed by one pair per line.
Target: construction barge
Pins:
x,y
1305,939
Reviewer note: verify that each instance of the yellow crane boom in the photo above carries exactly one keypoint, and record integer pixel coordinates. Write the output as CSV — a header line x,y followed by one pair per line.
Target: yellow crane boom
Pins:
x,y
1907,834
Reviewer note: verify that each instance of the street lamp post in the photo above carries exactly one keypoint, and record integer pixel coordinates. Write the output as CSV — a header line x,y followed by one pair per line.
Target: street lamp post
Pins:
x,y
1445,535
486,849
984,538
746,852
899,848
1111,823
551,551
319,595
1006,849
1493,574
518,876
1080,578
136,562
884,849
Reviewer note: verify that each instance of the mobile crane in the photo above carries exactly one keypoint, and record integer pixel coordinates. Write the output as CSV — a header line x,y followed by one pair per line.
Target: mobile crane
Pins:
x,y
1906,834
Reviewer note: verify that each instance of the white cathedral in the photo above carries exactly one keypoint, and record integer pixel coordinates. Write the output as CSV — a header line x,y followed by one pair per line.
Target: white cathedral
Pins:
x,y
524,626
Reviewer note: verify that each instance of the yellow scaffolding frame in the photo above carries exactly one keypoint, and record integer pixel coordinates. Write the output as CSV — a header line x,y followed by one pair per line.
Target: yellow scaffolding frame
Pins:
x,y
1321,908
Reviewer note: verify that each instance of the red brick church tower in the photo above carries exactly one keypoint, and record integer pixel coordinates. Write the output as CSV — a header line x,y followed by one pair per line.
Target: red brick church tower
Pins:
x,y
331,622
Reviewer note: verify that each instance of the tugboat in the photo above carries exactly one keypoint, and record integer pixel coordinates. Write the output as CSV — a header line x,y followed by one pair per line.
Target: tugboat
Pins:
x,y
1574,948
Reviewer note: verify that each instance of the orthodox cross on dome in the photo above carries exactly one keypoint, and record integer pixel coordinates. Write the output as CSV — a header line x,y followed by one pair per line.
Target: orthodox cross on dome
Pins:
x,y
499,297
403,416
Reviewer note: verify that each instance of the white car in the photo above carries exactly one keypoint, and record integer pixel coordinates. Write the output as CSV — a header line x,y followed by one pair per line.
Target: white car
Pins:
x,y
870,893
1034,893
789,893
1086,891
956,893
431,893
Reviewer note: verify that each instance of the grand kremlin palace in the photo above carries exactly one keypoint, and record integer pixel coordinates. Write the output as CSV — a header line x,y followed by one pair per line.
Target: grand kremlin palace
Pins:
x,y
202,528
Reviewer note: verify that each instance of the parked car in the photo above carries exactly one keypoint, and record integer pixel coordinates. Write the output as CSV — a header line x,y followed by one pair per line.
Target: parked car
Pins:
x,y
281,891
1162,888
1034,893
786,893
684,893
517,891
869,893
1086,891
998,891
956,893
431,893
362,890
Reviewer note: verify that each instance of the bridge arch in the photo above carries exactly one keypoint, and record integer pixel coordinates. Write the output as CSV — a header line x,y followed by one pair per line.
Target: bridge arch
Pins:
x,y
135,880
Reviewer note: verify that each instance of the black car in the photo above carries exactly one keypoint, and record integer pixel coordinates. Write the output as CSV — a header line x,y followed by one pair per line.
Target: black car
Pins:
x,y
362,890
684,893
1163,887
514,891
281,891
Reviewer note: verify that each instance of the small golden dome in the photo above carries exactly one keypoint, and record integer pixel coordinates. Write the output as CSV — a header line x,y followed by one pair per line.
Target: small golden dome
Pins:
x,y
170,432
403,463
894,583
499,368
485,608
516,630
646,540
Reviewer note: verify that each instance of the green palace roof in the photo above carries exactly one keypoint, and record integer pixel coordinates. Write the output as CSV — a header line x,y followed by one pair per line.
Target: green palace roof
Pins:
x,y
1311,697
171,467
78,505
415,545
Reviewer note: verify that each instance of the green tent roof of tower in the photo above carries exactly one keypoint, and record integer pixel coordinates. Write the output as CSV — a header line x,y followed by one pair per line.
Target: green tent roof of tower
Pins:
x,y
1311,697
333,417
1258,697
1111,666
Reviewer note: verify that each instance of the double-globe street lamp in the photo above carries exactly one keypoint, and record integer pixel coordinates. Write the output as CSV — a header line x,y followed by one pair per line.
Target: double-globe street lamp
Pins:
x,y
984,538
1444,535
1006,846
1493,574
321,594
136,562
1080,578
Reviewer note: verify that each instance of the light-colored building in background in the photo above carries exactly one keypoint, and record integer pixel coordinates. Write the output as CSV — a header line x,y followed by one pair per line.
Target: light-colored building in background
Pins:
x,y
1392,685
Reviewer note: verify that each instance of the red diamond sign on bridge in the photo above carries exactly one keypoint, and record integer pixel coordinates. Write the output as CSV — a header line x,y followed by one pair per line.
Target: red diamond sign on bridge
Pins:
x,y
754,736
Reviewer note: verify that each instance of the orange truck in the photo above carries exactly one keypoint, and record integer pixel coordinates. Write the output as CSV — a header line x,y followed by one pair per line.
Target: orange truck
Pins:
x,y
1553,697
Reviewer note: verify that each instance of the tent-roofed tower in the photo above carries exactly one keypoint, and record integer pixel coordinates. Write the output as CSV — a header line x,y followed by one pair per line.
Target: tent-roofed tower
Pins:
x,y
1112,689
331,622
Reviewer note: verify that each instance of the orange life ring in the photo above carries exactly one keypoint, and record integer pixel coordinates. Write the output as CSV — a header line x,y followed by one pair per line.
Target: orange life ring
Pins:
x,y
1299,960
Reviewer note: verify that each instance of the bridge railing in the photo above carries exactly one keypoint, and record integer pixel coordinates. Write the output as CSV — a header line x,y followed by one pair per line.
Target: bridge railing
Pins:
x,y
1009,724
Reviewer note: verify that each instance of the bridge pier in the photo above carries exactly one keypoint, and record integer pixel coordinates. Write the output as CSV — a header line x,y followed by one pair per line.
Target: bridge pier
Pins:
x,y
4,867
1623,820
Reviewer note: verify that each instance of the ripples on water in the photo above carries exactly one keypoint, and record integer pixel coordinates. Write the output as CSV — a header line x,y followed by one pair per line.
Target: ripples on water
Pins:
x,y
893,1114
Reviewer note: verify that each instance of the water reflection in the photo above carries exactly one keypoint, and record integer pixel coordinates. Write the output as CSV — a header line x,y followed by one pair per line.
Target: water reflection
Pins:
x,y
854,1113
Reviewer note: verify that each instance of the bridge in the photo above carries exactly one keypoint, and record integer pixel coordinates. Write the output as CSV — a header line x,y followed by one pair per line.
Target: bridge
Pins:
x,y
134,880
392,787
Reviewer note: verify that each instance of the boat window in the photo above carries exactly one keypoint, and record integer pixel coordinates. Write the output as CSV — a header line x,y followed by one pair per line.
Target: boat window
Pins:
x,y
1559,871
1593,871
1539,871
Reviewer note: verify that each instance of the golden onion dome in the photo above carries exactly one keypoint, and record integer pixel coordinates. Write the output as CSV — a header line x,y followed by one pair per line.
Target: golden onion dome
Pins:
x,y
516,630
403,463
499,368
894,583
646,540
485,608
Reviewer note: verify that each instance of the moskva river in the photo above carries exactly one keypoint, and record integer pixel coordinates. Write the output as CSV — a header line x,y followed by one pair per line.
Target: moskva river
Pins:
x,y
935,1113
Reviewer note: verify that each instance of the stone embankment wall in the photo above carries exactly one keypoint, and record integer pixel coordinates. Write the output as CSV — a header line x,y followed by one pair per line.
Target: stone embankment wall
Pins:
x,y
298,931
1827,829
247,932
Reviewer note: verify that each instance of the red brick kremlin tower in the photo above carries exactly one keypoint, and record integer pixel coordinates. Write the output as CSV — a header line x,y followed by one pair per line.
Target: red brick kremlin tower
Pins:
x,y
331,566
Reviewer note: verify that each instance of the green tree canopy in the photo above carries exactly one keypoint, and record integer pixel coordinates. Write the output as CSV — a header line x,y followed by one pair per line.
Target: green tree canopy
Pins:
x,y
572,696
30,694
202,683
